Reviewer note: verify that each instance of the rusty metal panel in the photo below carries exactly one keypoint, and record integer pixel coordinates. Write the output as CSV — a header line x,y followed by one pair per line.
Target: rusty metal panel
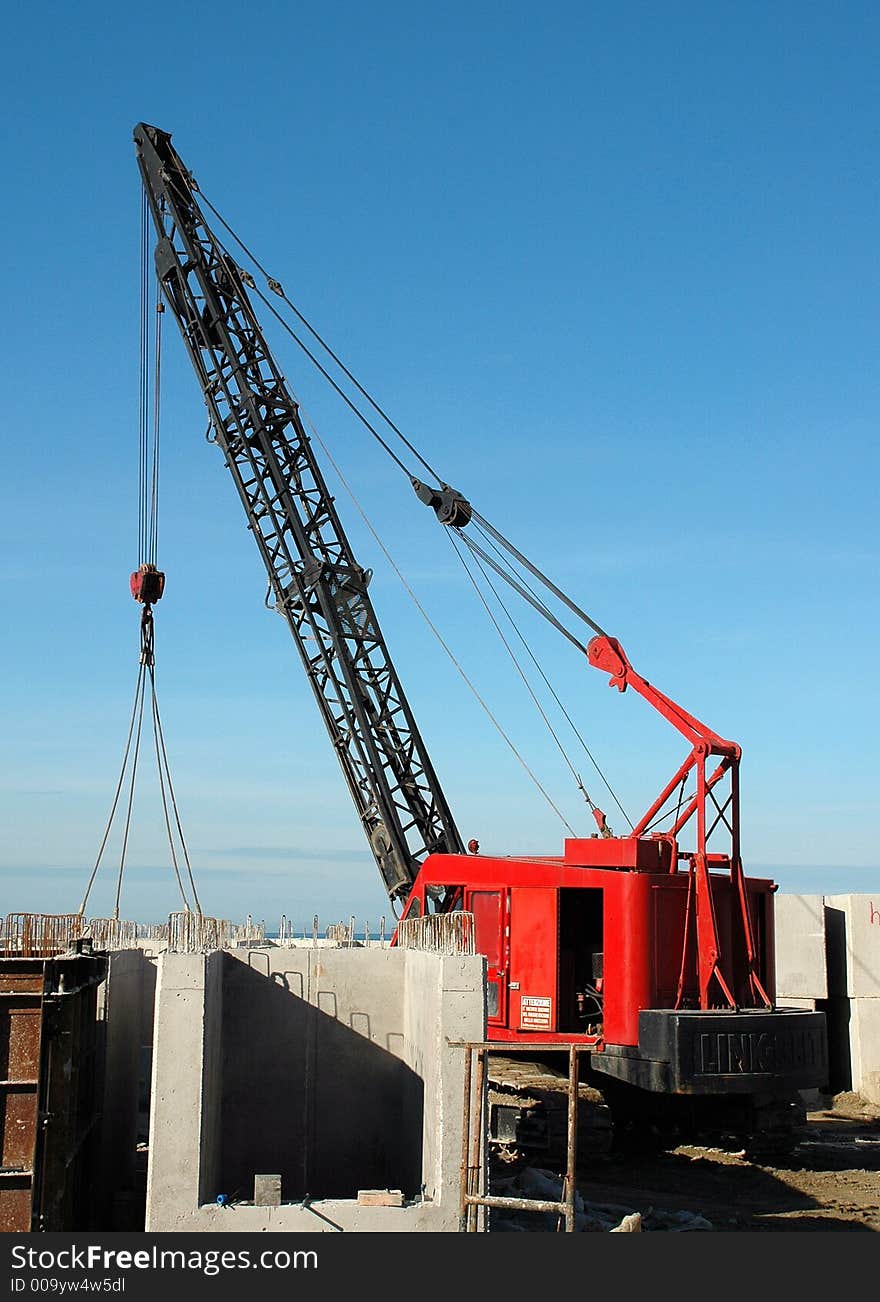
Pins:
x,y
66,1183
15,1205
21,1021
19,1040
49,1066
18,1117
21,978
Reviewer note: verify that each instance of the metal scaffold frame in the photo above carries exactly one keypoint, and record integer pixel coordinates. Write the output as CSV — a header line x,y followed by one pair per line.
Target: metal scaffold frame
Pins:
x,y
473,1192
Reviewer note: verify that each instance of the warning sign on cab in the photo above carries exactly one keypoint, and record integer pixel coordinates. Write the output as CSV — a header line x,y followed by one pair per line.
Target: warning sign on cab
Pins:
x,y
535,1013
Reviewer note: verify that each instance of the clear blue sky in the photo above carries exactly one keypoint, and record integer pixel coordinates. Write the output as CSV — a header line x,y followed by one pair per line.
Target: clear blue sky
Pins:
x,y
613,267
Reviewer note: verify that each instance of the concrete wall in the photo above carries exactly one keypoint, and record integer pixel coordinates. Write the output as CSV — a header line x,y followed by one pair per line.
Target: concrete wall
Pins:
x,y
308,1039
800,948
440,1007
176,1148
858,971
210,1151
864,1044
853,923
845,986
126,1006
330,1068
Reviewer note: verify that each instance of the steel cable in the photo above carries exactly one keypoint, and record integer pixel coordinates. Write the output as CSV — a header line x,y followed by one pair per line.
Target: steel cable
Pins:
x,y
485,528
94,873
153,512
159,738
535,600
143,397
127,825
520,671
549,687
270,280
148,542
275,286
432,626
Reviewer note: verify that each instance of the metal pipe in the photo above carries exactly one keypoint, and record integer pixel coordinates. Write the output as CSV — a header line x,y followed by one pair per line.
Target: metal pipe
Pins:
x,y
571,1139
472,1164
515,1204
477,1132
465,1136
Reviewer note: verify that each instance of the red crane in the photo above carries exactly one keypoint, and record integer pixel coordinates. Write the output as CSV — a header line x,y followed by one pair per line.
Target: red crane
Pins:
x,y
653,957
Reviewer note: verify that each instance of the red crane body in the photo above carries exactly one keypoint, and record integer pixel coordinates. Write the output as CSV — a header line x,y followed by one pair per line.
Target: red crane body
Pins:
x,y
657,958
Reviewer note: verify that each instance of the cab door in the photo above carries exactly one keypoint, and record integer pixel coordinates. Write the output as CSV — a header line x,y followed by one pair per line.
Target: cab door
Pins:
x,y
491,938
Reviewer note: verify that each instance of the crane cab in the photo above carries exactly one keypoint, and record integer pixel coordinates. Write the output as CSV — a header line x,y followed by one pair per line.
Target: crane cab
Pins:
x,y
569,942
577,946
599,947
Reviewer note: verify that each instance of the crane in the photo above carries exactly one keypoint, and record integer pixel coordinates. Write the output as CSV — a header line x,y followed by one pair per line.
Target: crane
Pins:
x,y
655,958
317,584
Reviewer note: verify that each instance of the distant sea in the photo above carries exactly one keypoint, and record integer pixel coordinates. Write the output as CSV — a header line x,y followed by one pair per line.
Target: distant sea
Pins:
x,y
825,879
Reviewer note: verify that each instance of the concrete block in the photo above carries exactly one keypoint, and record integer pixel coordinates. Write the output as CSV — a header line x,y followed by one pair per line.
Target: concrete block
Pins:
x,y
267,1190
864,1040
854,947
182,972
346,1050
380,1198
173,1174
800,947
460,973
464,1015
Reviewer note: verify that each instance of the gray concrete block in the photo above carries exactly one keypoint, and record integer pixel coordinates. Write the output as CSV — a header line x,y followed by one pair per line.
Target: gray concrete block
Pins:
x,y
182,971
267,1190
864,1040
460,972
463,1016
173,1174
800,947
355,1076
854,946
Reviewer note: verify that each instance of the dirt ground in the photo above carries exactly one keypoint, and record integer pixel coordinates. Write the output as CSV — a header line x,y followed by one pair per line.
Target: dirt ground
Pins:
x,y
831,1181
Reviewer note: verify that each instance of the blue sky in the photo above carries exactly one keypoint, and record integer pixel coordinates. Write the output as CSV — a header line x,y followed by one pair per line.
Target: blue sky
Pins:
x,y
612,268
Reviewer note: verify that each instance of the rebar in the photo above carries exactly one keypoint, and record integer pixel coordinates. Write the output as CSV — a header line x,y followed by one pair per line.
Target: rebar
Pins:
x,y
111,933
40,935
194,933
152,930
342,933
248,933
438,933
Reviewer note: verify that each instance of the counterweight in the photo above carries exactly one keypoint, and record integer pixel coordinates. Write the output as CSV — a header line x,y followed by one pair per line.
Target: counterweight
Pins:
x,y
316,582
